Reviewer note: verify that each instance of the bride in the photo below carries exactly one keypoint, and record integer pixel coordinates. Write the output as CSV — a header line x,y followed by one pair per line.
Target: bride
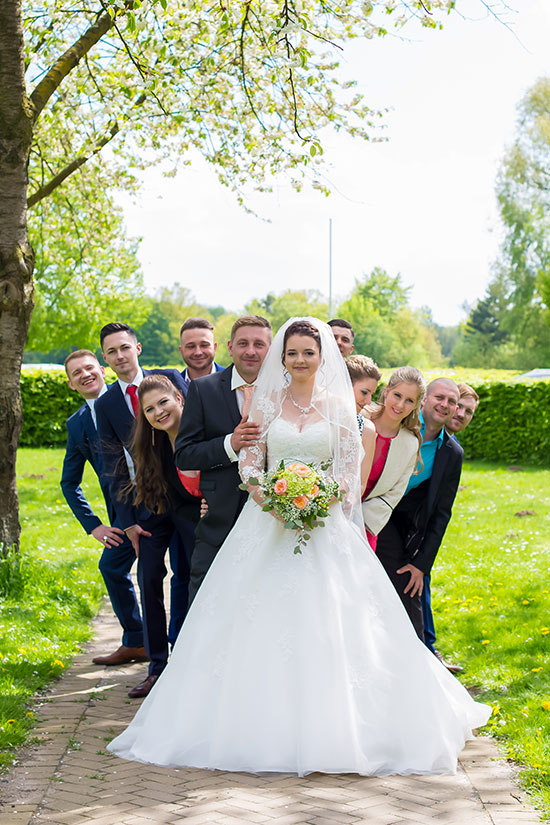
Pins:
x,y
299,663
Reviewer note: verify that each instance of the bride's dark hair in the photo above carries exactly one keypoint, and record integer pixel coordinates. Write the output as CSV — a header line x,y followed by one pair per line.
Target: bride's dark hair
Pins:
x,y
301,328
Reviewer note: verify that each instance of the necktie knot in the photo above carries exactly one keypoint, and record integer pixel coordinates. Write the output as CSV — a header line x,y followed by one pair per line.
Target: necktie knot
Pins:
x,y
131,390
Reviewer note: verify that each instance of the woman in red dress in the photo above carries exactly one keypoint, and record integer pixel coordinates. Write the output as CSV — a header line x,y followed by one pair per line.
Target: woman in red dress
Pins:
x,y
397,449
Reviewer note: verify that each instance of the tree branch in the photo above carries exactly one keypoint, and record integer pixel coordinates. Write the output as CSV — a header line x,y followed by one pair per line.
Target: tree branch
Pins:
x,y
67,61
58,179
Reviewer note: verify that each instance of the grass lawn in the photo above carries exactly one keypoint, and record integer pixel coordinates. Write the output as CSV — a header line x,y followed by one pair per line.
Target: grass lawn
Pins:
x,y
491,597
46,613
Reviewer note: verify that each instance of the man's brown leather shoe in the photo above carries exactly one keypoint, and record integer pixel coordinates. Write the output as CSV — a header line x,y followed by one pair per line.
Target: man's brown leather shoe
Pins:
x,y
451,668
123,656
144,688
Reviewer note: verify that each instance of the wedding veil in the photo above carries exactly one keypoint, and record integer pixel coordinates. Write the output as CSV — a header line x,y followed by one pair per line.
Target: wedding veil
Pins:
x,y
332,399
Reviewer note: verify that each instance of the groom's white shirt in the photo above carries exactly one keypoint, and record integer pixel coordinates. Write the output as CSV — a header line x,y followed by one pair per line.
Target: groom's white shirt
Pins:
x,y
236,382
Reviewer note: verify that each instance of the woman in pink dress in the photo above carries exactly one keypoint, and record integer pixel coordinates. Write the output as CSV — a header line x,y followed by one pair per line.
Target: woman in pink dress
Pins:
x,y
397,448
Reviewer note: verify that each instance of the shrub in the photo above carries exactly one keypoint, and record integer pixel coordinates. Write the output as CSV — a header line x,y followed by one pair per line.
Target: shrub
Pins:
x,y
47,403
512,423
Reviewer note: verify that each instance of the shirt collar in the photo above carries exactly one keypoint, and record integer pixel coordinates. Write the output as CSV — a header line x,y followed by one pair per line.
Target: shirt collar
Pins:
x,y
439,438
237,380
136,382
91,401
186,378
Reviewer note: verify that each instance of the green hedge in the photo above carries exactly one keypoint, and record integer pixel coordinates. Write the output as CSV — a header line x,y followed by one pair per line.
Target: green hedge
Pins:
x,y
47,403
511,424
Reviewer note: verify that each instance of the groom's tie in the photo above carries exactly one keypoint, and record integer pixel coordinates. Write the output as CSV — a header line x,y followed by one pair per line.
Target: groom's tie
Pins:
x,y
248,390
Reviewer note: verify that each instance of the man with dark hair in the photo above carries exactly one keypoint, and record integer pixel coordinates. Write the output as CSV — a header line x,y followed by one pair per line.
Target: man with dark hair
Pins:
x,y
214,427
343,334
86,376
197,348
408,544
149,533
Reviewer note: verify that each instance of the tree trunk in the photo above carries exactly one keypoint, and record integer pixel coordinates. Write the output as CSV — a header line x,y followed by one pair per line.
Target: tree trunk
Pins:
x,y
16,258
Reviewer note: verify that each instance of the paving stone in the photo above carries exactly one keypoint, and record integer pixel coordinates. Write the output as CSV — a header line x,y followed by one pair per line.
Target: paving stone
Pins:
x,y
58,785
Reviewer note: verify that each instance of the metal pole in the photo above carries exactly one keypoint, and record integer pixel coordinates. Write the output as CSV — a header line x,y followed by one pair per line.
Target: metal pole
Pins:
x,y
330,268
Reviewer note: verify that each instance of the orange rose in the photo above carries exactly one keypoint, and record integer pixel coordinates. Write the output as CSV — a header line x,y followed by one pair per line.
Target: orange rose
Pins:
x,y
301,470
280,487
314,491
300,502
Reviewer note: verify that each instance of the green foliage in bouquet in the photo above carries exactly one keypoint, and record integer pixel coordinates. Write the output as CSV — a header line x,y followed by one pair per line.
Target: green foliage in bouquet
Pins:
x,y
299,494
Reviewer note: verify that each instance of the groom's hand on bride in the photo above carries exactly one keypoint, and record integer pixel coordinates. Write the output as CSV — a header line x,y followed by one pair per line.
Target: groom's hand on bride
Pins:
x,y
416,581
245,434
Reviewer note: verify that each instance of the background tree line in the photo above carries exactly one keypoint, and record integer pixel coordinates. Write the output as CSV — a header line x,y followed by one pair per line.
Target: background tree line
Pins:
x,y
378,307
507,328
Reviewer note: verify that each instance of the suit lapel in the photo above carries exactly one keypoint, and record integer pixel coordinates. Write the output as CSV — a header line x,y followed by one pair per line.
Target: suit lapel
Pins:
x,y
440,465
230,396
122,419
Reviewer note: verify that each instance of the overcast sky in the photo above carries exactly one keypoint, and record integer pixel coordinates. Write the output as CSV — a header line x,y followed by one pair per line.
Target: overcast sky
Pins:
x,y
422,204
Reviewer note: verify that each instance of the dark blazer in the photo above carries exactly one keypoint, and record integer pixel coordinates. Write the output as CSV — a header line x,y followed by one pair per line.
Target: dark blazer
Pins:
x,y
115,424
427,511
181,504
209,414
82,446
186,381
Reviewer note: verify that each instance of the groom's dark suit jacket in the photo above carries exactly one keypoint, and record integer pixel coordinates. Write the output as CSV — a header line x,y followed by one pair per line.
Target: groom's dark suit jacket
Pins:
x,y
209,414
423,514
82,446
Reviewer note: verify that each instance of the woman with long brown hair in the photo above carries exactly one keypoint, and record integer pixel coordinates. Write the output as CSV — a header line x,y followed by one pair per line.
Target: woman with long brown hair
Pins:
x,y
397,450
159,485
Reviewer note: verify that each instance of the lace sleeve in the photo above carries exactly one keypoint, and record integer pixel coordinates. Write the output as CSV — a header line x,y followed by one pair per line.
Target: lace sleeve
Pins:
x,y
252,460
346,469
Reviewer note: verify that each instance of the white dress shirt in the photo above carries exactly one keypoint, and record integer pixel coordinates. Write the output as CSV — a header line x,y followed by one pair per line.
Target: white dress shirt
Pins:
x,y
236,382
124,386
91,404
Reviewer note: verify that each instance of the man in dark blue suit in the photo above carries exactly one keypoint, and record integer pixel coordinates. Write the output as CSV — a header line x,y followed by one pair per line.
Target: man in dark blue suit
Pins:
x,y
149,533
197,348
408,544
86,376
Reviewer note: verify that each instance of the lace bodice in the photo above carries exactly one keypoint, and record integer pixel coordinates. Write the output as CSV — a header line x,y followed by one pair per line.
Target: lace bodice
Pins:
x,y
285,440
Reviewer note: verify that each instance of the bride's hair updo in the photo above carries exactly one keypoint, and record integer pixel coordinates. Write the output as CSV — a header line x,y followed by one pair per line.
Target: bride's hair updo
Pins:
x,y
303,328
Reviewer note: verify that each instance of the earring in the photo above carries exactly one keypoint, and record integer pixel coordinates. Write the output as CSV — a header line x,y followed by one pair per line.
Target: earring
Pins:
x,y
153,436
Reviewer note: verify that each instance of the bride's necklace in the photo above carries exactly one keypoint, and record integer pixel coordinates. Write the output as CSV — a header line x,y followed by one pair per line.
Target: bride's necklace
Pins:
x,y
303,410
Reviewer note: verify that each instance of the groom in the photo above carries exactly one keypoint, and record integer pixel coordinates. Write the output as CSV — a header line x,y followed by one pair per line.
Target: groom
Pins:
x,y
213,430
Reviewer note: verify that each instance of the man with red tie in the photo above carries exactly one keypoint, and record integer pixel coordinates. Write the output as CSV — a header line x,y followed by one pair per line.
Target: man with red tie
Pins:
x,y
149,533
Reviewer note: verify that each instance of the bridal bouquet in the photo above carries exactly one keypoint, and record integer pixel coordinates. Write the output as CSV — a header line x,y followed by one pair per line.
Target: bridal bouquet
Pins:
x,y
299,494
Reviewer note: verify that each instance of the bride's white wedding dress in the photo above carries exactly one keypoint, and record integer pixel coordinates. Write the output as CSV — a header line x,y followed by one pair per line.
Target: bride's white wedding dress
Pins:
x,y
301,663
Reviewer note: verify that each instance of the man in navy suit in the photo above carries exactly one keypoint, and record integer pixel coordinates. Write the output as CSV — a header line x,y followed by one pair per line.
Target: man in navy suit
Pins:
x,y
149,533
408,544
197,348
86,376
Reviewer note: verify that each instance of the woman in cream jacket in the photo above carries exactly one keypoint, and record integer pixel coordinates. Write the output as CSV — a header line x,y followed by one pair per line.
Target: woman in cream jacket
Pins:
x,y
397,450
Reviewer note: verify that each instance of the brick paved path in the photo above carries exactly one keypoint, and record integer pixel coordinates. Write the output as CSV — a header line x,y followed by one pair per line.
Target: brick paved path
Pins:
x,y
70,779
